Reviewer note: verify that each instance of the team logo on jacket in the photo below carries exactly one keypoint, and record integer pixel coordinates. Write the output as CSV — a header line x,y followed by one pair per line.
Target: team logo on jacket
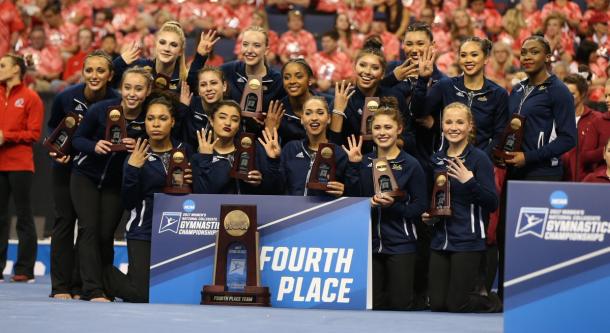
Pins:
x,y
459,93
482,99
170,221
19,103
79,107
396,167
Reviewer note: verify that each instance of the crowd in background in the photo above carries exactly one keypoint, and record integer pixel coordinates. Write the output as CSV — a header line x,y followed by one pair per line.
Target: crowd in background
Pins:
x,y
449,75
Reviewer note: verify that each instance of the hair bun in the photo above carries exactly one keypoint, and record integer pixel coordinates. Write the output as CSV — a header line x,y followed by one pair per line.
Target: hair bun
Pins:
x,y
373,42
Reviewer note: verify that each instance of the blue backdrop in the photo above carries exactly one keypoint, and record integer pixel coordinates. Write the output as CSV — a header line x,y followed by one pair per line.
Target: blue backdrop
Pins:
x,y
314,253
557,257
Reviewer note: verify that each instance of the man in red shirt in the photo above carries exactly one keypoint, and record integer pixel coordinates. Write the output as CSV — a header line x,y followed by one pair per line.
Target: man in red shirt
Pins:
x,y
330,65
296,42
10,25
74,64
47,61
21,115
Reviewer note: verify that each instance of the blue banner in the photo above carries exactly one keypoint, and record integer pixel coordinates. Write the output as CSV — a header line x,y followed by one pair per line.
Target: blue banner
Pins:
x,y
557,276
314,253
43,257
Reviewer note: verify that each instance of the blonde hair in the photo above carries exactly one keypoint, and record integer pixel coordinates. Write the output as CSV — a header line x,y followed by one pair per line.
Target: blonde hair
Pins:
x,y
175,27
501,46
260,29
472,136
513,22
140,71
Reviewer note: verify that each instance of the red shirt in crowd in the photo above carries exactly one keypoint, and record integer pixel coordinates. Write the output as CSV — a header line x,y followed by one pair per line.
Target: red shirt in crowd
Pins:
x,y
571,11
488,19
600,175
124,18
74,64
328,6
193,10
391,45
64,37
334,67
297,45
234,18
21,116
78,8
47,61
575,165
10,22
358,17
595,155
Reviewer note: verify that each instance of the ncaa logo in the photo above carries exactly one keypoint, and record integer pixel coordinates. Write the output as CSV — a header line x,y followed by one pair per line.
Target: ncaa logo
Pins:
x,y
558,199
188,206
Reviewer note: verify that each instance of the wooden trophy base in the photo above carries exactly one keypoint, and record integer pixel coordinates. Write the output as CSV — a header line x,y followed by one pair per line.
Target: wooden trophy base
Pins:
x,y
395,194
177,190
251,296
118,148
499,158
441,212
317,186
238,175
53,149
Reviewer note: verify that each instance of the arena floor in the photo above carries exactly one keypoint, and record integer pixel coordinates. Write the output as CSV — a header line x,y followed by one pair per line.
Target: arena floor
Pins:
x,y
26,308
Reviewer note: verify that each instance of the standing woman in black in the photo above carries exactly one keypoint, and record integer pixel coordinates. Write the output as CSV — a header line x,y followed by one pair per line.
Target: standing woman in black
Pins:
x,y
95,185
144,174
458,241
97,72
393,218
549,129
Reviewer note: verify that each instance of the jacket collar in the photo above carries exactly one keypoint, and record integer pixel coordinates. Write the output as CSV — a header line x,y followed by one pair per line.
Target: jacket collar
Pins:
x,y
402,156
441,157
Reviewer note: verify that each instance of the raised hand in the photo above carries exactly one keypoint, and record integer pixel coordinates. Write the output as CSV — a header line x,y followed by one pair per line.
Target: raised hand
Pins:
x,y
206,144
131,52
274,115
270,143
426,61
140,153
207,42
343,92
185,93
405,70
456,169
354,150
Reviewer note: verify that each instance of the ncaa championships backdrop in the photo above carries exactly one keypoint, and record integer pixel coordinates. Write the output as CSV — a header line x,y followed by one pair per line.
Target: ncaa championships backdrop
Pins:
x,y
314,253
557,275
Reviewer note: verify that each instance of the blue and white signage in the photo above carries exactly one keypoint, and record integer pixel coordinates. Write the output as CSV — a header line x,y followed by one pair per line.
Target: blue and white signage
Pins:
x,y
557,275
314,253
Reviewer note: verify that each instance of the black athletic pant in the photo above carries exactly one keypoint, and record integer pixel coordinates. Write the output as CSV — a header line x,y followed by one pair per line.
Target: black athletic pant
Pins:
x,y
132,287
65,277
99,212
18,183
453,282
393,276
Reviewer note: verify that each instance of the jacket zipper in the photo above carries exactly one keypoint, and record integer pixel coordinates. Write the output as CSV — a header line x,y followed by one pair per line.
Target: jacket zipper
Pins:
x,y
308,171
525,96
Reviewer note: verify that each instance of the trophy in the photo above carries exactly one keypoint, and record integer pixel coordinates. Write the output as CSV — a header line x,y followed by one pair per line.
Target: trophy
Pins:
x,y
243,158
324,167
384,180
236,263
511,140
60,141
174,181
252,98
162,81
116,129
371,104
441,196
